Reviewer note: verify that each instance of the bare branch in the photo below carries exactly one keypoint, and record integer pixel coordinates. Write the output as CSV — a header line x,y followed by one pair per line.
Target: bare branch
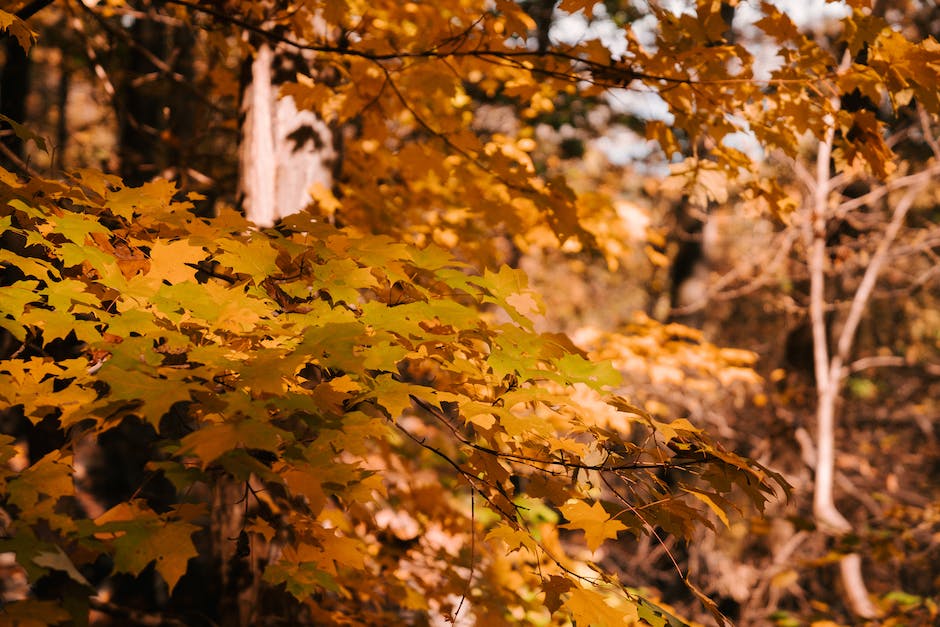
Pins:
x,y
875,361
890,186
863,293
924,118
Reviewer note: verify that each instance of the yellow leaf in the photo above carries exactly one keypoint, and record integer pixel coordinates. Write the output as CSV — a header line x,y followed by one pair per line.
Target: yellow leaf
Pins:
x,y
514,539
704,498
212,441
589,607
24,35
169,260
593,519
671,430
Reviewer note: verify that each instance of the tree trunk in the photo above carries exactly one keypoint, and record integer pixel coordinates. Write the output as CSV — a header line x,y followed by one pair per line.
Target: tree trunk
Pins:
x,y
14,86
284,152
140,106
830,367
829,373
543,13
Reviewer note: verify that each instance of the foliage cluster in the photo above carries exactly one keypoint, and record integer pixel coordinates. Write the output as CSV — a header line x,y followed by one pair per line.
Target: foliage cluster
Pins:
x,y
341,381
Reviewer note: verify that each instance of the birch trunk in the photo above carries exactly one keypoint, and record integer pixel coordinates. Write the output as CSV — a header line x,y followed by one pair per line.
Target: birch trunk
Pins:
x,y
830,369
284,152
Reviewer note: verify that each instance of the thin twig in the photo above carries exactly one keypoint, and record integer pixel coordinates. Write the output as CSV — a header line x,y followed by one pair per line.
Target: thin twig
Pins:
x,y
473,535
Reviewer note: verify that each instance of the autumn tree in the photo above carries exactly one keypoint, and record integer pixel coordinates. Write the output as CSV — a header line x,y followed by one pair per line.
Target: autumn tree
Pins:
x,y
852,205
304,392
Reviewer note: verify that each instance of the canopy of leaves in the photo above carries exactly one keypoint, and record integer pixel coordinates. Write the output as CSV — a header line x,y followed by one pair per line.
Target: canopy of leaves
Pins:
x,y
337,369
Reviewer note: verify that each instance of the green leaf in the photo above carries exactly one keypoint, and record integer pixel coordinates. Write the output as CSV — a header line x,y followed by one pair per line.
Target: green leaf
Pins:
x,y
509,289
17,296
166,543
23,35
266,373
157,389
153,197
598,375
256,257
67,292
342,279
58,560
76,255
30,266
212,441
51,476
76,226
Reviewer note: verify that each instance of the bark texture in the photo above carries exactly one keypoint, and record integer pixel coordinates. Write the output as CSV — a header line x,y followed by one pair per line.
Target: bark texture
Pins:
x,y
284,152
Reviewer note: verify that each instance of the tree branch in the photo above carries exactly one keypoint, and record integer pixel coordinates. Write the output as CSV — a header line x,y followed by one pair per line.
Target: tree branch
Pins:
x,y
882,190
863,293
605,75
32,8
876,361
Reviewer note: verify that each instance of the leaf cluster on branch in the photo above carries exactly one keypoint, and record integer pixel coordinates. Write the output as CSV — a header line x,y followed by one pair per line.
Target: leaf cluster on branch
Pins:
x,y
305,363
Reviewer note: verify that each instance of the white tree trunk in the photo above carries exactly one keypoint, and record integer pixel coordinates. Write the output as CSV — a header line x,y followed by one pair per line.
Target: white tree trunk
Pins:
x,y
830,369
284,151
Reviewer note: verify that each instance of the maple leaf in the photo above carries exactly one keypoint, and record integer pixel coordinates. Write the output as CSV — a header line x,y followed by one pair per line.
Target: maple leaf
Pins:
x,y
212,441
589,607
596,374
23,34
77,227
151,197
677,428
58,560
256,257
304,480
554,588
168,546
51,476
514,538
712,501
509,288
156,388
593,519
111,266
265,373
170,260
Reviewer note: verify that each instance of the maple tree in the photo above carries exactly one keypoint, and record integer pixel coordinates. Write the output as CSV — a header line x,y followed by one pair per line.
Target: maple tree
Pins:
x,y
294,364
347,422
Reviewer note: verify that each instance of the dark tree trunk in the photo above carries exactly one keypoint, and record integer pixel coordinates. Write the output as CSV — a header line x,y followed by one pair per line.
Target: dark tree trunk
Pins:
x,y
689,268
140,106
543,12
14,87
